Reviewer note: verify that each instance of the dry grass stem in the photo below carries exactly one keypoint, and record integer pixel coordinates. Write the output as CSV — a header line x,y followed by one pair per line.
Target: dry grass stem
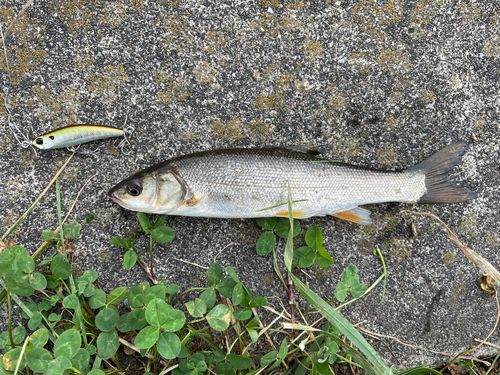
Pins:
x,y
193,264
13,23
225,247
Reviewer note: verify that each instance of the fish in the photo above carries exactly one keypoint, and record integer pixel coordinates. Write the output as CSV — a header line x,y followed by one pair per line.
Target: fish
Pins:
x,y
253,183
73,135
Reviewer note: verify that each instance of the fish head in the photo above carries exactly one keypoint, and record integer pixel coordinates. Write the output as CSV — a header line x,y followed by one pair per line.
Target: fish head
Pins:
x,y
154,190
43,142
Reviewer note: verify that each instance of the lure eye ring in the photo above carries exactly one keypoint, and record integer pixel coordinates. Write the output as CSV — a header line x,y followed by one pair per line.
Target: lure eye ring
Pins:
x,y
134,189
39,141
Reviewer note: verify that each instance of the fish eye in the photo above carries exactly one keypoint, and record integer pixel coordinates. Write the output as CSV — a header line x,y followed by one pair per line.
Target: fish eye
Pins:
x,y
134,189
39,141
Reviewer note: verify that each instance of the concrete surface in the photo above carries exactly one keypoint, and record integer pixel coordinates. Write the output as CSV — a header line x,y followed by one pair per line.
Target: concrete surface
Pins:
x,y
376,83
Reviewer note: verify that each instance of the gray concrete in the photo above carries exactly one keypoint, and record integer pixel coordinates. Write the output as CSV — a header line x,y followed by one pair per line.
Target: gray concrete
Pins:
x,y
382,84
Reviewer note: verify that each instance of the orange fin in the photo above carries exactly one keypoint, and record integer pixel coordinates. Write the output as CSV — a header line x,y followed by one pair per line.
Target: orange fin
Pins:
x,y
296,214
356,215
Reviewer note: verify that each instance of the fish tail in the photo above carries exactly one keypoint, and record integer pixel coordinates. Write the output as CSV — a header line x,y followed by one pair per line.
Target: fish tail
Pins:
x,y
440,189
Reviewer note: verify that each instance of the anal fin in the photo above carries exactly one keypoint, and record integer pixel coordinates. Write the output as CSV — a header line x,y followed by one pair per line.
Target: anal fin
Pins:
x,y
356,215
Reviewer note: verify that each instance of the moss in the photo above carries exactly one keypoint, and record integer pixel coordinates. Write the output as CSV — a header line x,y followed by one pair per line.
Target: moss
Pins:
x,y
213,41
105,84
204,73
491,46
313,50
428,96
469,226
448,258
230,130
113,14
387,155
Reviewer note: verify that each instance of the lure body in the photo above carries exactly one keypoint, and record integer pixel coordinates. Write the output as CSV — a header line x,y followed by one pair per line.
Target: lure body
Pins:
x,y
74,135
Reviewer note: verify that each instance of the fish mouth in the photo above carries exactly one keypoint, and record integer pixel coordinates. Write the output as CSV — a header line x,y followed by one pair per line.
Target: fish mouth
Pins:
x,y
119,201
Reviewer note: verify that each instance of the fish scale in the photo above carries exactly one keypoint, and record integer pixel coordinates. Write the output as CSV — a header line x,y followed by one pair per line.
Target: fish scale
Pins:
x,y
250,183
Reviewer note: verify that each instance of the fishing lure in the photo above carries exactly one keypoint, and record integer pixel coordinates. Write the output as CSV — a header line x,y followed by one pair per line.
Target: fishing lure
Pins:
x,y
74,135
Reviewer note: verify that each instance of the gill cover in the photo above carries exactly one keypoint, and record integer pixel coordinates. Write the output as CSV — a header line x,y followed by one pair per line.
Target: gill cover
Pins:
x,y
171,188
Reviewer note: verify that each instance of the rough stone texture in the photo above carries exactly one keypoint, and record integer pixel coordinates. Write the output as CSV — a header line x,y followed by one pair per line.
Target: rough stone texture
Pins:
x,y
377,83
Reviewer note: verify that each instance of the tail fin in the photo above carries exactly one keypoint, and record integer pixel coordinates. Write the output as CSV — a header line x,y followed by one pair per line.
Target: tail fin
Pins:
x,y
439,188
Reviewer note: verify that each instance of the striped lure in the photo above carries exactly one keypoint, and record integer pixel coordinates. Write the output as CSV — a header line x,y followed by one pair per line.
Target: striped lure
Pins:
x,y
74,135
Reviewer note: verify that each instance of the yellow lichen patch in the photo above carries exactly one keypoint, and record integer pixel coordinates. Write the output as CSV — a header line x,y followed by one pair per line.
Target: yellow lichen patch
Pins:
x,y
174,36
495,19
458,291
387,155
84,61
313,50
7,221
491,46
135,4
160,76
258,129
104,257
359,64
270,3
75,11
103,216
61,110
492,240
113,14
448,258
397,250
25,29
428,96
423,12
268,24
213,41
204,73
303,86
230,130
269,102
469,12
336,101
345,148
178,90
481,121
71,172
291,22
104,84
397,63
394,61
371,17
21,61
468,227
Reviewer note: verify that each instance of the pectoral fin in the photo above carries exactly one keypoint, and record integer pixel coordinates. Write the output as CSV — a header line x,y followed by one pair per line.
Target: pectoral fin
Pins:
x,y
356,215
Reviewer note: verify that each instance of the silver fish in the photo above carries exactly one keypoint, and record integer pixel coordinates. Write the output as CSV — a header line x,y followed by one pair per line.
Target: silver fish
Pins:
x,y
251,183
